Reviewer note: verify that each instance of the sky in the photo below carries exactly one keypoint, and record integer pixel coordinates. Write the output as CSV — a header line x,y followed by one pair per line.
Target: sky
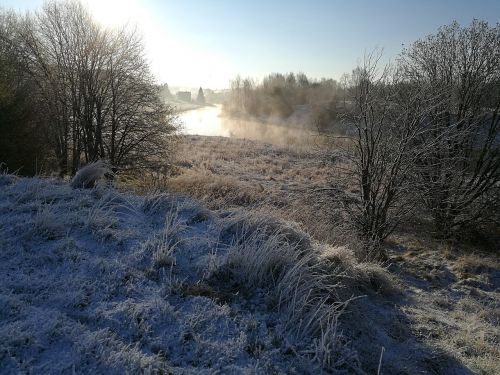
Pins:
x,y
206,43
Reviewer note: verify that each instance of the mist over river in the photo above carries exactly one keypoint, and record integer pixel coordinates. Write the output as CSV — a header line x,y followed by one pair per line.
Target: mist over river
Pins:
x,y
210,121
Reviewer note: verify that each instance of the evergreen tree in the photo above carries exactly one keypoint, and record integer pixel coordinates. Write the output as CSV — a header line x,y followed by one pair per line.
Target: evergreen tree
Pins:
x,y
201,97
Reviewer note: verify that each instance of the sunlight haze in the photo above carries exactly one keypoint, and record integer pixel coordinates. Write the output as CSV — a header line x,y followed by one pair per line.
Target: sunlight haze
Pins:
x,y
201,43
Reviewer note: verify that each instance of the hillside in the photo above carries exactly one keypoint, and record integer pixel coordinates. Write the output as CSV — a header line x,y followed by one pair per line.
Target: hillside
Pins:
x,y
95,281
449,301
98,281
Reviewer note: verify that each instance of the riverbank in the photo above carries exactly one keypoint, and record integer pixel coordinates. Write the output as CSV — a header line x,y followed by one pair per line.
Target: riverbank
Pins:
x,y
181,106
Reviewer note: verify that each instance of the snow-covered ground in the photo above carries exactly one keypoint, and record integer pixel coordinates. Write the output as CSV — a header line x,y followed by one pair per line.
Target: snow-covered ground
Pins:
x,y
98,281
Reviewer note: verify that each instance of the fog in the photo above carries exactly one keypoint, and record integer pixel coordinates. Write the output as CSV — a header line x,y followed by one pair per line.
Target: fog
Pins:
x,y
211,121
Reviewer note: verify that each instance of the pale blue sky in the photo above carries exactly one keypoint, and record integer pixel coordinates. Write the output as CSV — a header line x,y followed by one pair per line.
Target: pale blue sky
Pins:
x,y
201,42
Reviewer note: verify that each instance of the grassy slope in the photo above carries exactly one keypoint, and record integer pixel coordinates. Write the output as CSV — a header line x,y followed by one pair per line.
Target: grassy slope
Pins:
x,y
451,302
102,281
97,281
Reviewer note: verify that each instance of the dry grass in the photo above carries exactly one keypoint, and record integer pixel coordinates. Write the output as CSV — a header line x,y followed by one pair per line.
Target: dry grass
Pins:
x,y
217,191
468,265
309,283
451,289
457,304
364,276
252,161
467,327
285,180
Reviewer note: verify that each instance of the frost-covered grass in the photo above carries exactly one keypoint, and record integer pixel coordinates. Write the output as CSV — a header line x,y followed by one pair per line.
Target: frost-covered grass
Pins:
x,y
456,299
443,319
97,281
227,172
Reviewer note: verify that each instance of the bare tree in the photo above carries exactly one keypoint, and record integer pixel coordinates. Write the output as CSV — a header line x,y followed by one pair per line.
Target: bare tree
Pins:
x,y
344,84
139,128
458,70
21,146
426,129
379,160
95,86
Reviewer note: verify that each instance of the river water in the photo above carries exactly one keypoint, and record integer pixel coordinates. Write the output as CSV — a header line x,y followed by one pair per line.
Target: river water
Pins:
x,y
204,121
210,121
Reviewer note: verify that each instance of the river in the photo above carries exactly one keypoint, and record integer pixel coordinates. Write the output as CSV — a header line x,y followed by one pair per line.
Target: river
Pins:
x,y
204,121
209,121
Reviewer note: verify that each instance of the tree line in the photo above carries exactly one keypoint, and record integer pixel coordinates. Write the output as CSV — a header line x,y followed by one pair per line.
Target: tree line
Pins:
x,y
279,95
73,92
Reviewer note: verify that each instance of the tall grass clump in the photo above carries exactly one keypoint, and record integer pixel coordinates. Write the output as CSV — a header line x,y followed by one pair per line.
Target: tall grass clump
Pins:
x,y
311,286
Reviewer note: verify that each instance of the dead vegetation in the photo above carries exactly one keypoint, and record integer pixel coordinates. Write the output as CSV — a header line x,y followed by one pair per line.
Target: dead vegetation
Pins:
x,y
448,304
227,172
456,304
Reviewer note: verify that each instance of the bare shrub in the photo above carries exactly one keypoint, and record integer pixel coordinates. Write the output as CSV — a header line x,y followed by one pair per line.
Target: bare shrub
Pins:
x,y
457,70
425,130
374,169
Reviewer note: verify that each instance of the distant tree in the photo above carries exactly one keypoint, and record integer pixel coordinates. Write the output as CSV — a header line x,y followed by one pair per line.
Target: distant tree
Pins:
x,y
279,95
200,99
302,80
215,97
251,101
235,103
165,92
291,81
344,84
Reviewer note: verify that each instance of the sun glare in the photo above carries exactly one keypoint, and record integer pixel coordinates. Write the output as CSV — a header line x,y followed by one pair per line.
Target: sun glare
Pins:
x,y
172,60
114,13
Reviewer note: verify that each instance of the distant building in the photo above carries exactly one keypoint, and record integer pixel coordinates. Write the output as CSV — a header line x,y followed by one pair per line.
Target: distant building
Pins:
x,y
184,95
